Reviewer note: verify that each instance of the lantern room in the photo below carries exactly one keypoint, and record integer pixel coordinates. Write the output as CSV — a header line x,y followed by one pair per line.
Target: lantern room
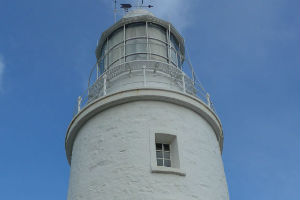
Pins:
x,y
139,36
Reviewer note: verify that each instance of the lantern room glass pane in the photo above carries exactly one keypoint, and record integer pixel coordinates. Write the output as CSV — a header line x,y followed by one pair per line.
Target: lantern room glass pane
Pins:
x,y
103,60
115,50
136,30
136,57
116,38
157,58
158,48
157,32
136,49
136,46
174,42
116,53
175,51
174,58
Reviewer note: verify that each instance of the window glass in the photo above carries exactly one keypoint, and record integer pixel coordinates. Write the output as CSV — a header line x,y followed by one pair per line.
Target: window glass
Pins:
x,y
158,48
175,57
136,30
159,154
115,38
116,53
136,46
136,49
102,61
157,32
166,147
158,58
167,155
164,154
163,157
158,146
167,163
174,42
136,57
160,162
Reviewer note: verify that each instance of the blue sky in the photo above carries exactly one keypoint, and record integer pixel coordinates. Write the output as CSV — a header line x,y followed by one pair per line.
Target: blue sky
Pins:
x,y
246,53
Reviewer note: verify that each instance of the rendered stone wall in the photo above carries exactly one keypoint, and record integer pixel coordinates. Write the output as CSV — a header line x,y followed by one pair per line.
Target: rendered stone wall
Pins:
x,y
111,156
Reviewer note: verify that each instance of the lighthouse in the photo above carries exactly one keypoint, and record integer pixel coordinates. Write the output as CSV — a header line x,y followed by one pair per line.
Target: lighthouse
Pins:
x,y
145,129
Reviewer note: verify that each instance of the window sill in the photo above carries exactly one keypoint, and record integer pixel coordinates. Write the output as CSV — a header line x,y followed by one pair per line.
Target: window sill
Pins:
x,y
167,170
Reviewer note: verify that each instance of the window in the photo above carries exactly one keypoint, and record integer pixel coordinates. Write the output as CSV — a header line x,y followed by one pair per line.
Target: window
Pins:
x,y
103,60
175,51
163,155
158,47
136,42
116,47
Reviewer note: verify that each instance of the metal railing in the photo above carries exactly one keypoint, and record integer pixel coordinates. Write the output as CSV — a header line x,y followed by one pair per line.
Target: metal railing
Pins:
x,y
175,77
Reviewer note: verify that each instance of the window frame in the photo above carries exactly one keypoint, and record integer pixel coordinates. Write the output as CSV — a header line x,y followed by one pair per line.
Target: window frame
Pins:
x,y
163,153
173,139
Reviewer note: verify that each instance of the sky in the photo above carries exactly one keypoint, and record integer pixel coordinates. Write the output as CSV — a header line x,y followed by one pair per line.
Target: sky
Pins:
x,y
245,52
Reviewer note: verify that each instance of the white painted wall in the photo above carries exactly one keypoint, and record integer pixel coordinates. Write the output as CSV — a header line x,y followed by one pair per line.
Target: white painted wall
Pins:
x,y
111,156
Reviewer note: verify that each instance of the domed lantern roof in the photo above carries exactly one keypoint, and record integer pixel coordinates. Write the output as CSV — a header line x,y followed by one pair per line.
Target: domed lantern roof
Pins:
x,y
138,12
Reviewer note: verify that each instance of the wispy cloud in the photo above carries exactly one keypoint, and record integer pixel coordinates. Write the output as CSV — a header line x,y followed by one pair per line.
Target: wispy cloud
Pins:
x,y
2,66
178,12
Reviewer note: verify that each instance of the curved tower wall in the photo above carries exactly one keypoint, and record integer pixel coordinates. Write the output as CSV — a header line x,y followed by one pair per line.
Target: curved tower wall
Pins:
x,y
112,156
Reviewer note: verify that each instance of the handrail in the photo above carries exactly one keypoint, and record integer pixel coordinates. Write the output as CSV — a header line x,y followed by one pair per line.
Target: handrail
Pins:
x,y
182,82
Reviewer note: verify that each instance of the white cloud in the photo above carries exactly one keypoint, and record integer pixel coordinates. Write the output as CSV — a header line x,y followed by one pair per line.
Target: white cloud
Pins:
x,y
178,12
2,66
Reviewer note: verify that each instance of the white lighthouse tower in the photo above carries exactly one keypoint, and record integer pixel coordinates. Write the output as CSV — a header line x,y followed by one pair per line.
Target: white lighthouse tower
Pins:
x,y
145,130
